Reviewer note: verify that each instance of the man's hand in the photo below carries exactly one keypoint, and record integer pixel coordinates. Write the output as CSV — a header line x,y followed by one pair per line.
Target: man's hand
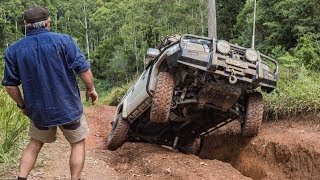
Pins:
x,y
93,95
87,78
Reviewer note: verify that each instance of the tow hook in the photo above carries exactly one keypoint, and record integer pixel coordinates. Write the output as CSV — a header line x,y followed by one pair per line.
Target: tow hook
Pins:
x,y
233,79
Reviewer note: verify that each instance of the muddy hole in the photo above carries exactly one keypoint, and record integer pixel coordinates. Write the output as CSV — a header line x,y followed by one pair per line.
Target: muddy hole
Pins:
x,y
227,148
276,153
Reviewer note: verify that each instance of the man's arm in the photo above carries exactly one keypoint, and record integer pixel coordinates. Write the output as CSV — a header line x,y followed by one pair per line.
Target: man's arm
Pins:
x,y
15,94
87,79
76,61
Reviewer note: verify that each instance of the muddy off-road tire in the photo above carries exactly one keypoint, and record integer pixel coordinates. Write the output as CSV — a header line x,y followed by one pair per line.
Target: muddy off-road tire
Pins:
x,y
254,114
118,134
161,101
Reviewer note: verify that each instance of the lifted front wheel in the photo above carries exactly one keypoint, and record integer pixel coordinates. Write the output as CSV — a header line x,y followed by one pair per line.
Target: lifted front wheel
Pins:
x,y
161,101
254,114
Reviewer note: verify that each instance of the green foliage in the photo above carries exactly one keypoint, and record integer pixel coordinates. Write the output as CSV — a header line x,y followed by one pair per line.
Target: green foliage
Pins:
x,y
308,51
113,61
279,23
12,124
289,61
296,93
117,33
108,95
1,68
113,96
127,28
227,11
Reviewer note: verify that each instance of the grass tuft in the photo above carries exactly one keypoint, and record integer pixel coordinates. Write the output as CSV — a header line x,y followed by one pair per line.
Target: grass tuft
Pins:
x,y
12,125
296,93
113,96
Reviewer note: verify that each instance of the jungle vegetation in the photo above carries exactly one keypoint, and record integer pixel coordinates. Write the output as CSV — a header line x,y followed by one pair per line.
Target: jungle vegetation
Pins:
x,y
115,34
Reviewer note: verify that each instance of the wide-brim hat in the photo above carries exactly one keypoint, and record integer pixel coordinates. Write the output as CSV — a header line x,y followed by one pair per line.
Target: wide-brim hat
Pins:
x,y
36,14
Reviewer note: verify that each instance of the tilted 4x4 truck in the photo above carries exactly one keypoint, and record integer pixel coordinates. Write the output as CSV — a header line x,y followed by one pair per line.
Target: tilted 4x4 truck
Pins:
x,y
192,86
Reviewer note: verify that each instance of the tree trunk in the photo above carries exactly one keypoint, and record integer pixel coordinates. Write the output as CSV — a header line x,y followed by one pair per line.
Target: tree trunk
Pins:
x,y
86,28
16,33
212,19
202,22
67,24
192,21
56,22
136,50
127,78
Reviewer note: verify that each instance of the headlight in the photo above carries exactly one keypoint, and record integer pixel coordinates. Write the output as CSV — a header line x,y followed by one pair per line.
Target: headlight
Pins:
x,y
223,47
251,55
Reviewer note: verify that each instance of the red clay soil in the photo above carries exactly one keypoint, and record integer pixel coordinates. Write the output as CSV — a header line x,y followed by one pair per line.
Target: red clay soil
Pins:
x,y
99,124
132,161
287,149
283,150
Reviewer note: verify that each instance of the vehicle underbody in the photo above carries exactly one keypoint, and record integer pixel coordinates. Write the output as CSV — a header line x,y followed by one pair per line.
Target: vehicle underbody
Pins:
x,y
201,103
200,85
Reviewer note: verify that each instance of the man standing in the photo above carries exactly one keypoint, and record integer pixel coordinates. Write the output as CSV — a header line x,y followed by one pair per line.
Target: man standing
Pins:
x,y
45,63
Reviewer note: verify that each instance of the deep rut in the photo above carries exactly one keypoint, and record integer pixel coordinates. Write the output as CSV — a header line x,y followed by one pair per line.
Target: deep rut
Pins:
x,y
282,150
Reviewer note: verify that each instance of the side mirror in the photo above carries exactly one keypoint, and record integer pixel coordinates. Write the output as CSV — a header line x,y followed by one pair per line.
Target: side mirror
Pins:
x,y
152,52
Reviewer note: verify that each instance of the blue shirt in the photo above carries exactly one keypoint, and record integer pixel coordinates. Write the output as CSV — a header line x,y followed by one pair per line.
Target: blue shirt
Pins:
x,y
44,63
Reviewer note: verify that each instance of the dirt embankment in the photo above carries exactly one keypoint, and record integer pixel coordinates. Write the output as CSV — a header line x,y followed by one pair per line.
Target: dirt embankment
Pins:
x,y
283,150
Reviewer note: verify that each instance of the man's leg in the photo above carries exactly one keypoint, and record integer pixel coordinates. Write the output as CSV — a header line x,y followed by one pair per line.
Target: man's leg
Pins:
x,y
75,133
77,158
38,136
29,157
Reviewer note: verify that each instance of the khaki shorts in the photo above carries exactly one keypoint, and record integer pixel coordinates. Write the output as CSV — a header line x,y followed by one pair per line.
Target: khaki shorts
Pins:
x,y
73,132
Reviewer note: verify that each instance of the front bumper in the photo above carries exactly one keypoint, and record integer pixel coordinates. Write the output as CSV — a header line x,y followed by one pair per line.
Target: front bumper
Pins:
x,y
230,67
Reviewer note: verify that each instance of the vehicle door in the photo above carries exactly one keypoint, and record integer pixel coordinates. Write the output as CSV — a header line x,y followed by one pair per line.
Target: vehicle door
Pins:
x,y
138,93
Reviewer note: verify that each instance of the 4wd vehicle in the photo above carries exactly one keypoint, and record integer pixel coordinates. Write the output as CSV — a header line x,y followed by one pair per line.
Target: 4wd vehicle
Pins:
x,y
192,86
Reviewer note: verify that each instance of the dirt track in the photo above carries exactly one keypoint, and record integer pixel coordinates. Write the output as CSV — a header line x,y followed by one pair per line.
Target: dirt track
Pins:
x,y
282,150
